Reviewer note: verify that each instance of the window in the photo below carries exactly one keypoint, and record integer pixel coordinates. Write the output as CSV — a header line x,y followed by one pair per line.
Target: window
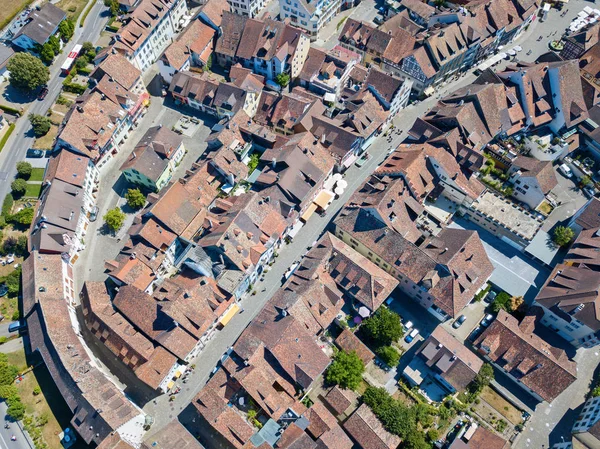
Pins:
x,y
303,22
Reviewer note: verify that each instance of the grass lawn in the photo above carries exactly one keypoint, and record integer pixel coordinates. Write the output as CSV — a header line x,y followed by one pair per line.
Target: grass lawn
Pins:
x,y
362,388
37,174
73,7
45,142
545,208
502,406
11,9
39,405
33,190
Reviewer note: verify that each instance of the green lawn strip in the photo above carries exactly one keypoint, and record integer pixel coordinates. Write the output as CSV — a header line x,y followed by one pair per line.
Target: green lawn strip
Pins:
x,y
33,190
10,130
37,174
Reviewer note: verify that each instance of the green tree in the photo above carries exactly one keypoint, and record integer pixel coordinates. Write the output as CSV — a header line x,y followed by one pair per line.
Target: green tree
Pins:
x,y
346,370
383,328
55,44
18,186
16,410
24,216
88,50
7,373
8,391
40,124
37,390
47,53
114,219
135,198
27,72
66,28
209,62
24,169
13,282
283,79
254,160
586,180
389,355
9,245
482,379
113,5
502,302
21,248
562,235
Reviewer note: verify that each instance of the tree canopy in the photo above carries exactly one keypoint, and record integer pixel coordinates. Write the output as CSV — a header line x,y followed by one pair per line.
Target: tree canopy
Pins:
x,y
483,378
562,235
27,72
346,370
18,186
283,79
383,328
389,355
114,219
135,198
40,124
66,28
24,169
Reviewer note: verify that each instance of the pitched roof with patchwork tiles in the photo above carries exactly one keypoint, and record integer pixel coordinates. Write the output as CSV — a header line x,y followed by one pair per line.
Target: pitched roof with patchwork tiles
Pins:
x,y
194,39
542,171
543,368
366,429
117,67
67,167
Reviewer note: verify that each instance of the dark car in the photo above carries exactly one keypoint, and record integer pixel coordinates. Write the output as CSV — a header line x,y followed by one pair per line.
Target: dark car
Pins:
x,y
43,93
459,322
490,297
3,290
34,154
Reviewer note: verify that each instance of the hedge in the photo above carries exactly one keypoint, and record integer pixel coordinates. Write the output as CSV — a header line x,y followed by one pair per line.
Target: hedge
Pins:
x,y
112,29
7,205
10,130
10,110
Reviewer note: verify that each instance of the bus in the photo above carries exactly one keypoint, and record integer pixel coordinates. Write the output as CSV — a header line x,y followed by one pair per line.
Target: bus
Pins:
x,y
68,64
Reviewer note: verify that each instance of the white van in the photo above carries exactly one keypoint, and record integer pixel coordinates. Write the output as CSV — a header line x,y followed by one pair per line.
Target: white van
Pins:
x,y
565,170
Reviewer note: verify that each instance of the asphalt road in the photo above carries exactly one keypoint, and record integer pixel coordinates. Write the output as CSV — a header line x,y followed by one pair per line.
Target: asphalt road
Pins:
x,y
16,429
22,137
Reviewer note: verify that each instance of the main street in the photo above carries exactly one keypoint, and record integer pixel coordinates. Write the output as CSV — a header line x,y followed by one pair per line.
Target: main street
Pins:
x,y
22,137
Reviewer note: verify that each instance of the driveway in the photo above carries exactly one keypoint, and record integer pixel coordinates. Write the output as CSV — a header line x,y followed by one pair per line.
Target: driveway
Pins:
x,y
571,199
474,313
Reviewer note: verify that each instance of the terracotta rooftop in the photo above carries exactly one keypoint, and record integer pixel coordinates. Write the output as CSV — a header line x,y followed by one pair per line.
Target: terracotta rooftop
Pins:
x,y
67,167
366,429
349,342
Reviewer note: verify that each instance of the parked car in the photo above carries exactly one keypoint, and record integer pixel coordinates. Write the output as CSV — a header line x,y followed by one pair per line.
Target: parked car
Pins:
x,y
487,320
378,19
94,214
364,158
565,170
408,326
475,333
43,93
459,321
16,326
411,336
589,191
34,154
490,297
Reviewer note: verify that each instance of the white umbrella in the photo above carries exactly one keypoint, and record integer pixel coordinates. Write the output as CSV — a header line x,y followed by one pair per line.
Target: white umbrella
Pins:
x,y
511,52
518,48
337,177
338,191
364,312
502,55
342,183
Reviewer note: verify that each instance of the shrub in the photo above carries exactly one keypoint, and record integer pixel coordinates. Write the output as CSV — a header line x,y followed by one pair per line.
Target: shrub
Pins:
x,y
389,355
114,219
135,198
7,205
254,160
66,28
283,79
433,435
16,410
23,217
346,370
482,379
383,328
37,390
13,282
7,373
562,235
15,316
18,186
3,339
24,169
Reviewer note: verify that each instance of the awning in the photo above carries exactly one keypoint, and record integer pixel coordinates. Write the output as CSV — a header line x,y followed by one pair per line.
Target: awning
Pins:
x,y
323,199
177,374
229,315
311,210
295,229
170,385
329,97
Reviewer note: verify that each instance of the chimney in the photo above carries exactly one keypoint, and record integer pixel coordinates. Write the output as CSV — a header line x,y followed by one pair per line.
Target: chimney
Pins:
x,y
274,162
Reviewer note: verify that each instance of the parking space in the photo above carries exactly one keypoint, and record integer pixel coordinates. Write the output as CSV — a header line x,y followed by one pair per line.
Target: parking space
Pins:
x,y
474,313
422,320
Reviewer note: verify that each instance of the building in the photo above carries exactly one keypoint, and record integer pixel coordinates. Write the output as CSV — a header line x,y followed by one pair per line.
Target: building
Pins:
x,y
116,68
575,45
478,437
391,92
247,8
586,430
192,48
282,112
347,341
368,432
99,408
153,366
6,54
568,298
154,159
41,24
540,369
151,28
267,47
533,180
441,358
310,15
442,274
206,94
60,222
211,13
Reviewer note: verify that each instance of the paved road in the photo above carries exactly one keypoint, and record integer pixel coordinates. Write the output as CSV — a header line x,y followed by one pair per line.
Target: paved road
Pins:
x,y
22,137
16,429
